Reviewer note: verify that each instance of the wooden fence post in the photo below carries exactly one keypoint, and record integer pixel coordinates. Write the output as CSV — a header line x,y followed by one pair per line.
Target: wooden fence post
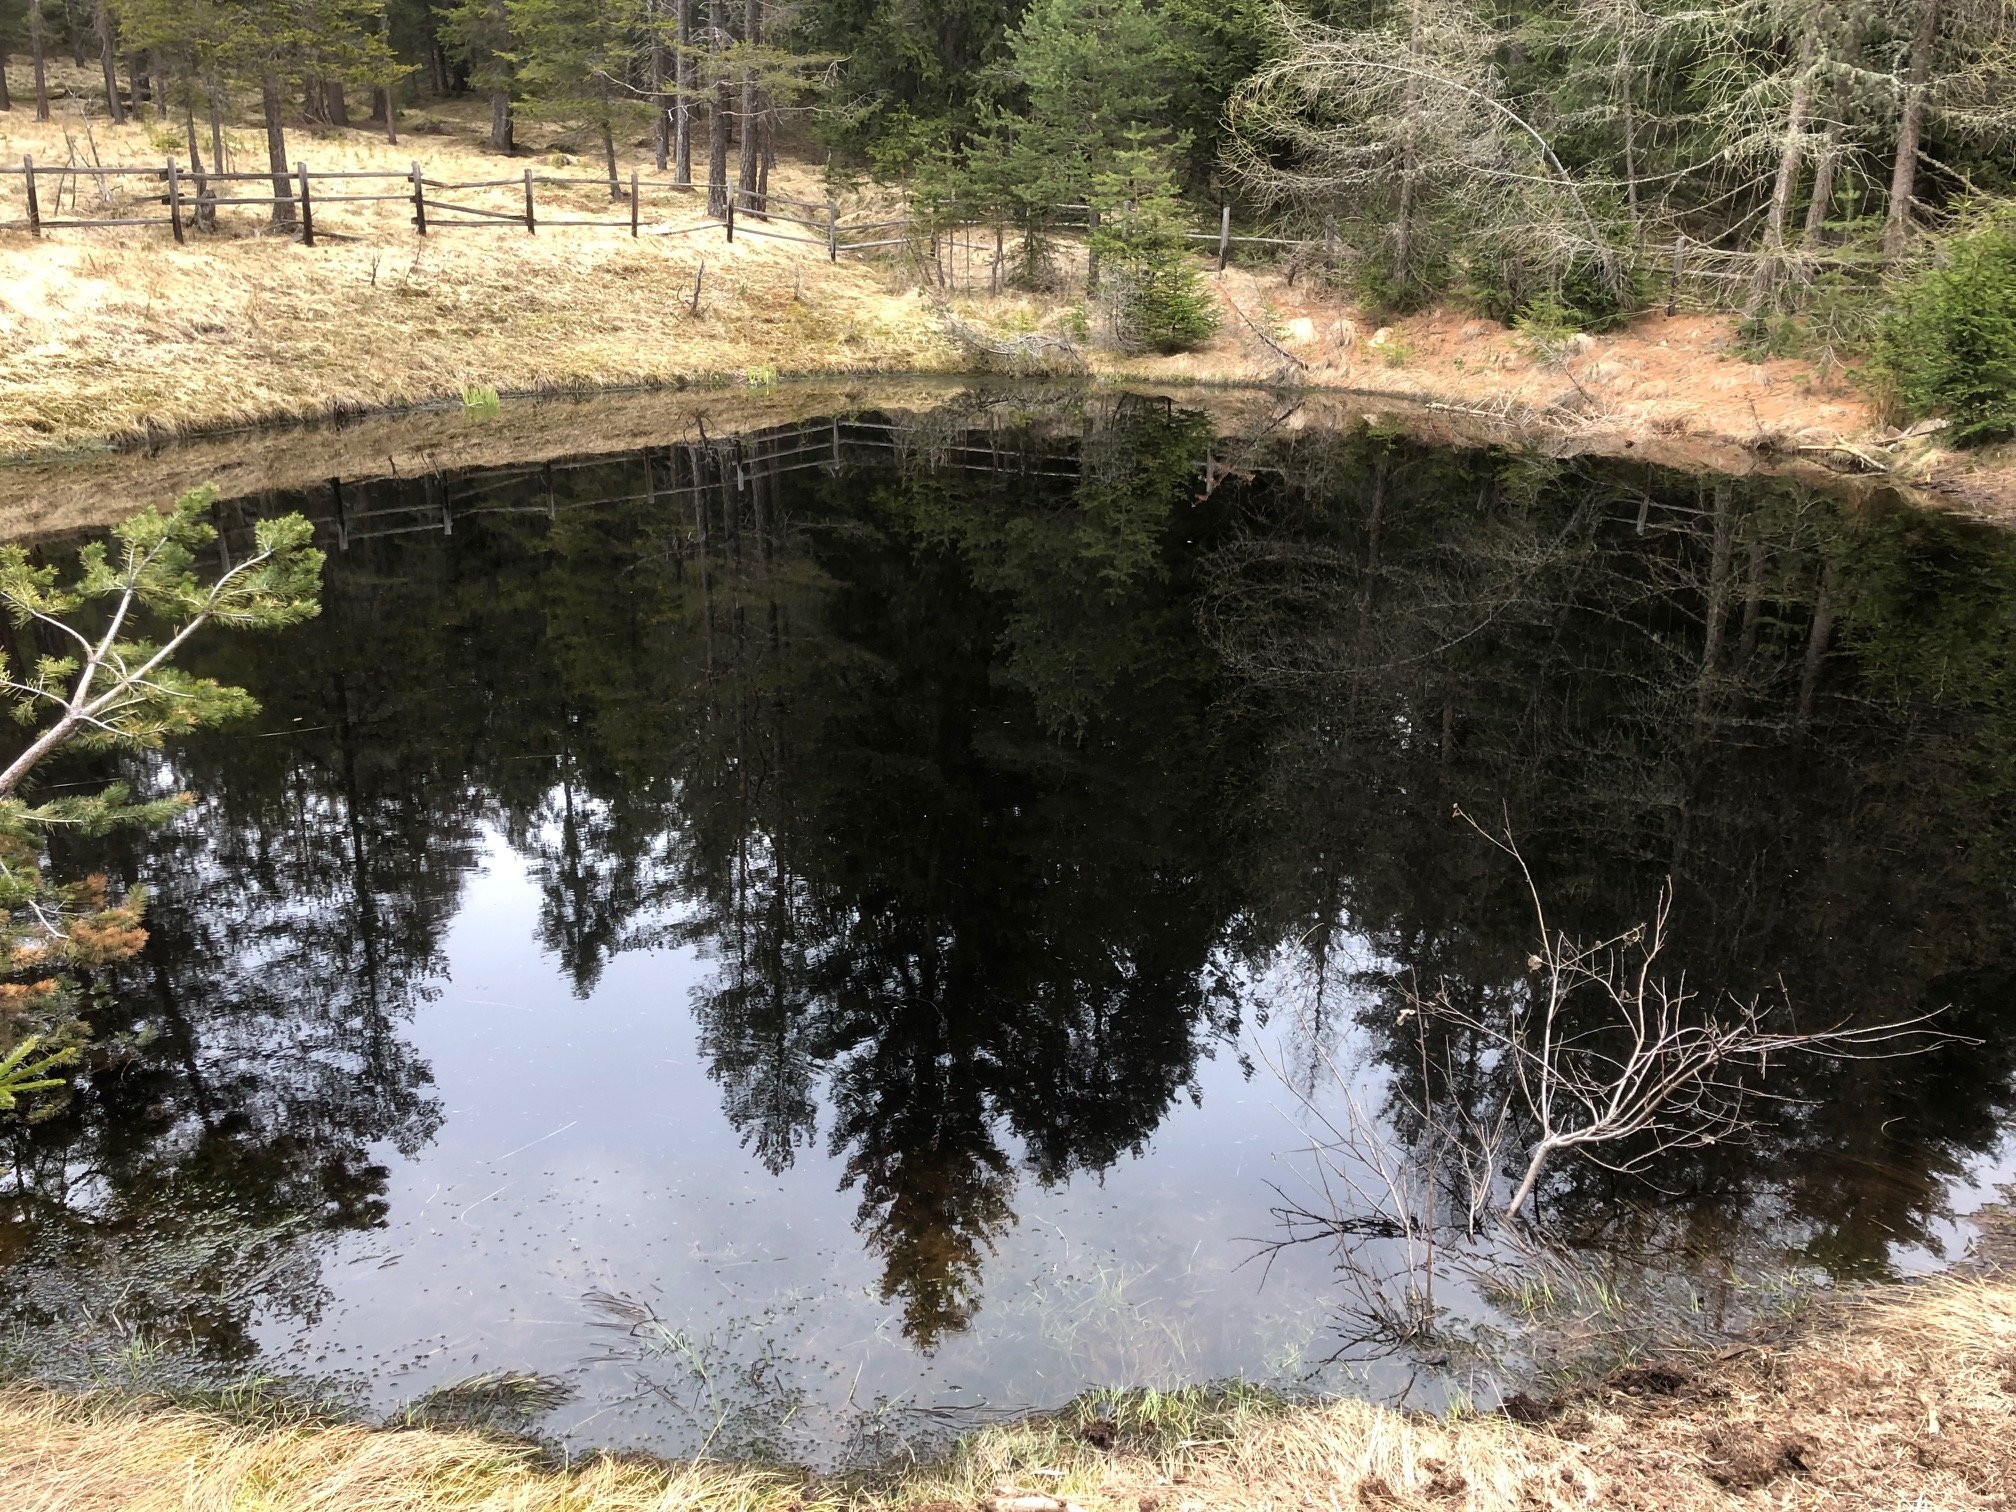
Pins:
x,y
633,201
832,232
730,222
419,202
175,202
1679,262
34,205
1224,235
307,211
531,223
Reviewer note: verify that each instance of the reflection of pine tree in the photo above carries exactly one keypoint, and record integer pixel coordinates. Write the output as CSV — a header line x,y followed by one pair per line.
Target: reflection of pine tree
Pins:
x,y
911,886
968,821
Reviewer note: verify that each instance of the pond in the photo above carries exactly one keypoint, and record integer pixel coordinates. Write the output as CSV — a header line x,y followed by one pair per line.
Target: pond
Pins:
x,y
813,938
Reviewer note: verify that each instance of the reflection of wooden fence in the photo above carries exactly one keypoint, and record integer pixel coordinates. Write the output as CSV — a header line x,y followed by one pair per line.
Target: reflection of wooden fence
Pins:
x,y
350,510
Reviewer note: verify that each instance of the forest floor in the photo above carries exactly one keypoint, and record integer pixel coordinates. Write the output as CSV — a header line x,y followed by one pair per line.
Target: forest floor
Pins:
x,y
1901,1398
121,337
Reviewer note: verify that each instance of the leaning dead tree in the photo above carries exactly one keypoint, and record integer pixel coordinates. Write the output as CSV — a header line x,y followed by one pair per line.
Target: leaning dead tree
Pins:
x,y
1397,141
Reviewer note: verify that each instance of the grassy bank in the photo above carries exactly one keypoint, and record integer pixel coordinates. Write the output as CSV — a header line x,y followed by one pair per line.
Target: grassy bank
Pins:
x,y
1904,1398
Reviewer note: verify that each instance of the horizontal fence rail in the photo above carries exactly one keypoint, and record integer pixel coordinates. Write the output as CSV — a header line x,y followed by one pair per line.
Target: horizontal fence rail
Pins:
x,y
935,236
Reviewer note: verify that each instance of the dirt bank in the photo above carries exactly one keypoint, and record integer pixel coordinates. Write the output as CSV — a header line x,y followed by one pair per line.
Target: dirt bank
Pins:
x,y
1904,1398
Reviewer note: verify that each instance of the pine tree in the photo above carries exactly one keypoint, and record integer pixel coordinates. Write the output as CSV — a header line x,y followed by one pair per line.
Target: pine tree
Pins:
x,y
1088,75
478,33
574,60
101,682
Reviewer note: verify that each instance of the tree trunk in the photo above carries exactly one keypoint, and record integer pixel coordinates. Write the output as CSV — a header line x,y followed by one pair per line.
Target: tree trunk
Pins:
x,y
276,152
498,71
1630,124
107,56
609,155
717,117
751,143
335,109
215,94
37,60
6,100
661,121
437,64
1910,131
384,107
682,106
1829,165
1403,222
1823,187
1771,261
206,197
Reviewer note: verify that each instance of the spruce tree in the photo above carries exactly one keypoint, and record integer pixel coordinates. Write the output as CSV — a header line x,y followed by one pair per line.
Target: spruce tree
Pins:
x,y
1151,292
573,60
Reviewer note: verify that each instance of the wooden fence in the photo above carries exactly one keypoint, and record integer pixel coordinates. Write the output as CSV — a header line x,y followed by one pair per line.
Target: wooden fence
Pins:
x,y
349,511
189,200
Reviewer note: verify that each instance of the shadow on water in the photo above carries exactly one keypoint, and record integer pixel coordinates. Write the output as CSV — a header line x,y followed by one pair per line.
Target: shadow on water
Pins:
x,y
1001,772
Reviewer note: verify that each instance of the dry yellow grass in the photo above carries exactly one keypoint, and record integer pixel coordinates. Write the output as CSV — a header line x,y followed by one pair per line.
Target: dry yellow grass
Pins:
x,y
1905,1399
122,335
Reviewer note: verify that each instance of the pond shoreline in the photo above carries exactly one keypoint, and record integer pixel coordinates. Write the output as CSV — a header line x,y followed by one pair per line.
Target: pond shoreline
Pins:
x,y
53,492
1899,1395
119,348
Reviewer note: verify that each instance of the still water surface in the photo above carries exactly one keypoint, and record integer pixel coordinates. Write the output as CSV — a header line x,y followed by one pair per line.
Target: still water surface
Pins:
x,y
824,935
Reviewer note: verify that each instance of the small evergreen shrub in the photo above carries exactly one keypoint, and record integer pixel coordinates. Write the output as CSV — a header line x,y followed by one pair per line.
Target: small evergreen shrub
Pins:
x,y
1584,292
1547,329
1152,294
1948,346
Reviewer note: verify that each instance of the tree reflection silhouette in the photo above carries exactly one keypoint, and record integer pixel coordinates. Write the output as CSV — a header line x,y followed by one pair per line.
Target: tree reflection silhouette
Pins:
x,y
982,794
1780,702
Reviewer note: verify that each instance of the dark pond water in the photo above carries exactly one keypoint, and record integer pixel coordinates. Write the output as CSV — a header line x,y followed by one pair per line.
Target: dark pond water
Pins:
x,y
820,936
